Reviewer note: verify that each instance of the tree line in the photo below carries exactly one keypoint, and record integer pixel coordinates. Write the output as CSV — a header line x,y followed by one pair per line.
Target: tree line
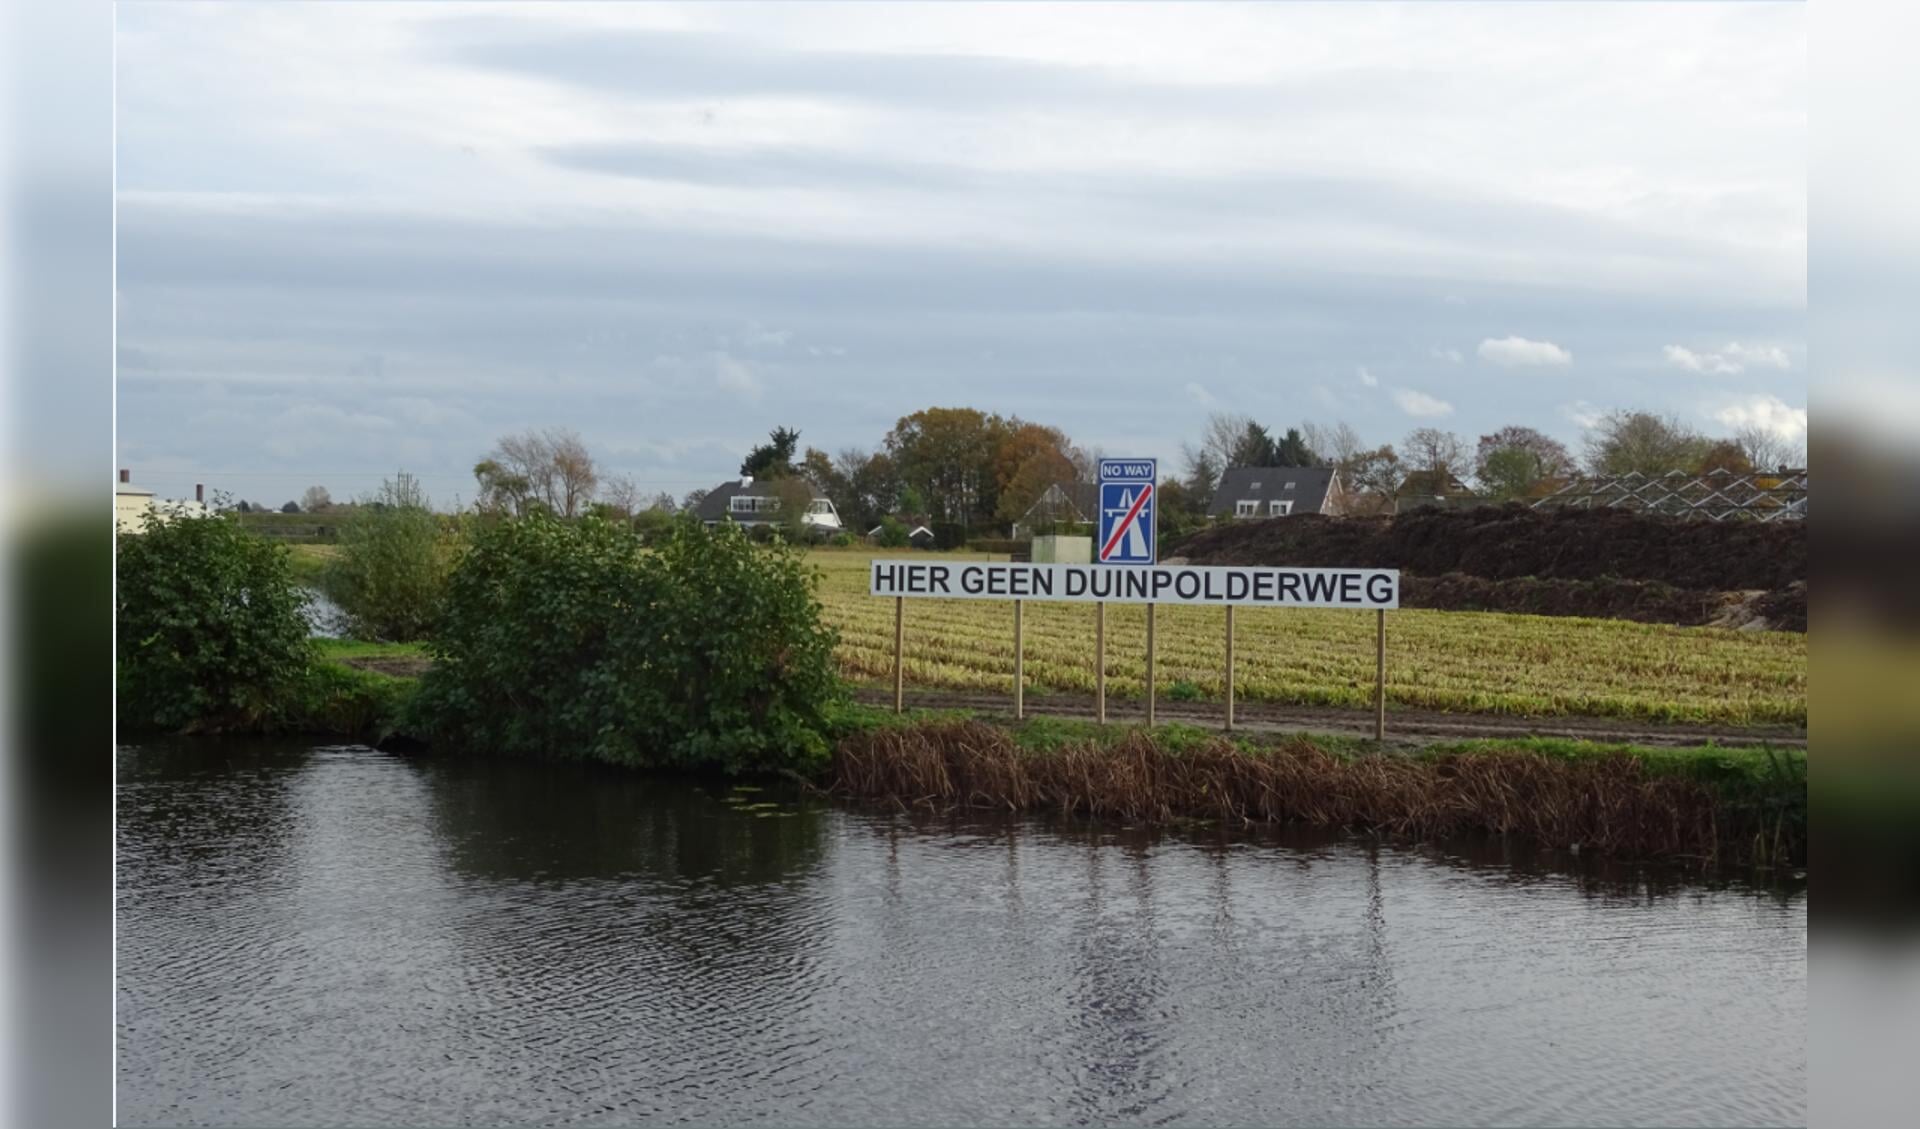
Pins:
x,y
978,472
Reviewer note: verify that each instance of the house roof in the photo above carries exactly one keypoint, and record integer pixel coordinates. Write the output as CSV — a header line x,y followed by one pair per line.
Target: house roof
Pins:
x,y
1438,483
718,505
1310,486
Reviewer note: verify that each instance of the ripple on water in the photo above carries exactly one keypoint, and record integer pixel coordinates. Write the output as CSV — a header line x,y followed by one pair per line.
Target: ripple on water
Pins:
x,y
315,936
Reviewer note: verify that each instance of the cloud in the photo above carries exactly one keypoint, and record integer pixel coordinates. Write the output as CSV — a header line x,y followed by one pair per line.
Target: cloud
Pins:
x,y
1767,412
730,374
1515,352
1420,404
1368,379
1584,414
1735,358
1198,393
1452,356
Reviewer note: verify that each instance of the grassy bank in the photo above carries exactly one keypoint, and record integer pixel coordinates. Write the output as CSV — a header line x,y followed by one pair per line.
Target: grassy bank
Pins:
x,y
1463,662
1710,804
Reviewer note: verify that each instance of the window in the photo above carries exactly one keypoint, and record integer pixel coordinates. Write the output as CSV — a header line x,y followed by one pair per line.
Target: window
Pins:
x,y
753,504
1279,509
1246,508
1255,486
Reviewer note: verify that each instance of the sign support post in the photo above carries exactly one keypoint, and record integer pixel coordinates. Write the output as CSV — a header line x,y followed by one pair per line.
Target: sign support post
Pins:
x,y
1149,666
1380,676
1100,662
1019,663
899,649
1229,668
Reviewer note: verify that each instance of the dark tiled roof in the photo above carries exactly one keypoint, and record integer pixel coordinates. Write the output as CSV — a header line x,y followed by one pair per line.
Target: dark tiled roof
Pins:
x,y
1269,484
717,505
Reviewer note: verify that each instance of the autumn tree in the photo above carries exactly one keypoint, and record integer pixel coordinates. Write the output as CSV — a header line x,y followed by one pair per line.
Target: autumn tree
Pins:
x,y
1520,462
551,468
1726,455
947,454
1042,470
1374,478
1625,442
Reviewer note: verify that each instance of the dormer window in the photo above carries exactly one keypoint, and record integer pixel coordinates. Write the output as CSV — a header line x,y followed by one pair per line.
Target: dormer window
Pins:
x,y
1279,509
1246,507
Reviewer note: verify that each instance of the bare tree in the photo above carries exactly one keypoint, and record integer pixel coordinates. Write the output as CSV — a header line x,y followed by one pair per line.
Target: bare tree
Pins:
x,y
316,500
1766,450
1433,450
1337,444
664,503
552,467
621,495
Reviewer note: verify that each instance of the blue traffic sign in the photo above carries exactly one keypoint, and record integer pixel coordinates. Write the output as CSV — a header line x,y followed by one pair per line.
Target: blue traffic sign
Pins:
x,y
1127,488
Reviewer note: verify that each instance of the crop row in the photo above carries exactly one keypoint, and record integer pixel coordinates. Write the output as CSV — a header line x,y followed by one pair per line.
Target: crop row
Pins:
x,y
1457,661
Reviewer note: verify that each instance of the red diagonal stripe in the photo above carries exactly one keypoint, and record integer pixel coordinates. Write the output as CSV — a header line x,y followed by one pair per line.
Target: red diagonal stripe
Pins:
x,y
1126,521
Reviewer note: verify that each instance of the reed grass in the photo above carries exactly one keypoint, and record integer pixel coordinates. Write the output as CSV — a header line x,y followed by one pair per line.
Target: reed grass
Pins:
x,y
1608,802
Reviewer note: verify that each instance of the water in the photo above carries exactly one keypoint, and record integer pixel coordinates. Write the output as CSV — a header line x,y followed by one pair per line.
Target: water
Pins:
x,y
326,936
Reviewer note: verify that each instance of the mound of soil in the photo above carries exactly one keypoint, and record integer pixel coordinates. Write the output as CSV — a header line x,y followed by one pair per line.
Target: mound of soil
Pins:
x,y
1514,541
1644,601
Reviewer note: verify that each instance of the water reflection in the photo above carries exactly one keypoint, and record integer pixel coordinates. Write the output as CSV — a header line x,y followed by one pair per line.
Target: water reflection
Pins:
x,y
336,935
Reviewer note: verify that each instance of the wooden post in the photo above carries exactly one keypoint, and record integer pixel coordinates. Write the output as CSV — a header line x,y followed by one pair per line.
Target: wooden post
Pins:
x,y
1149,666
1229,668
1100,662
1019,665
1380,676
899,654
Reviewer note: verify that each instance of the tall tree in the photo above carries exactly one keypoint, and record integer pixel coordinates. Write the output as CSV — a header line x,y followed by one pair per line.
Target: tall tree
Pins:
x,y
873,489
316,500
1374,478
1292,450
1626,442
1337,444
1520,462
1022,443
947,455
1254,448
1433,451
774,458
552,468
1767,451
1042,470
621,496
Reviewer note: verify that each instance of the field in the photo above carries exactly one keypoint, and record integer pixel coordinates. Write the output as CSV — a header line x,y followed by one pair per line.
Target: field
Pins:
x,y
1469,662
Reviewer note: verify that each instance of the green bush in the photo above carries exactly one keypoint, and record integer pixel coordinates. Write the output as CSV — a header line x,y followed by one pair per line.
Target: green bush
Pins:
x,y
893,535
392,567
1184,691
209,625
566,639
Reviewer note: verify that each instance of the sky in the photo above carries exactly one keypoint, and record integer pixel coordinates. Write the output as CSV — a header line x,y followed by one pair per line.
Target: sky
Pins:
x,y
357,238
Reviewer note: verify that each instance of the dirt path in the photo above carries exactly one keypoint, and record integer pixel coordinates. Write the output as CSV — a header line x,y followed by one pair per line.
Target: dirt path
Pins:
x,y
1406,726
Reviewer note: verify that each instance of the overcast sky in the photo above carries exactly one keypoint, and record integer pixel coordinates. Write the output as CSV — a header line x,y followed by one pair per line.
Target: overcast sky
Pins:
x,y
355,238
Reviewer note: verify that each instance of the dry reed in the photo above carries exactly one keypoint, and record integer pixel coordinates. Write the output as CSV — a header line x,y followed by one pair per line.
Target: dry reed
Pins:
x,y
1609,804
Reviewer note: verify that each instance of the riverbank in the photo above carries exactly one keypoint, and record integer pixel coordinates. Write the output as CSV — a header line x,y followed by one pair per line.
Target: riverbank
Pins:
x,y
1744,806
1740,804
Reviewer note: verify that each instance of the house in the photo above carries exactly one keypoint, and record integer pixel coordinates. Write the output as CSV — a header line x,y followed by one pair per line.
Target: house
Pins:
x,y
1263,492
919,536
1076,503
1438,488
134,506
749,503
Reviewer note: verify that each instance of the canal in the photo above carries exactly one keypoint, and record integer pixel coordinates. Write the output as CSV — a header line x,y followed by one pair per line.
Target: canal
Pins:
x,y
335,935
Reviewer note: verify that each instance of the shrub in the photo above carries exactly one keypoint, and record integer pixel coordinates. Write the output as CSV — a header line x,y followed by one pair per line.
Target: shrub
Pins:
x,y
893,535
392,567
209,626
1183,691
842,540
566,639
